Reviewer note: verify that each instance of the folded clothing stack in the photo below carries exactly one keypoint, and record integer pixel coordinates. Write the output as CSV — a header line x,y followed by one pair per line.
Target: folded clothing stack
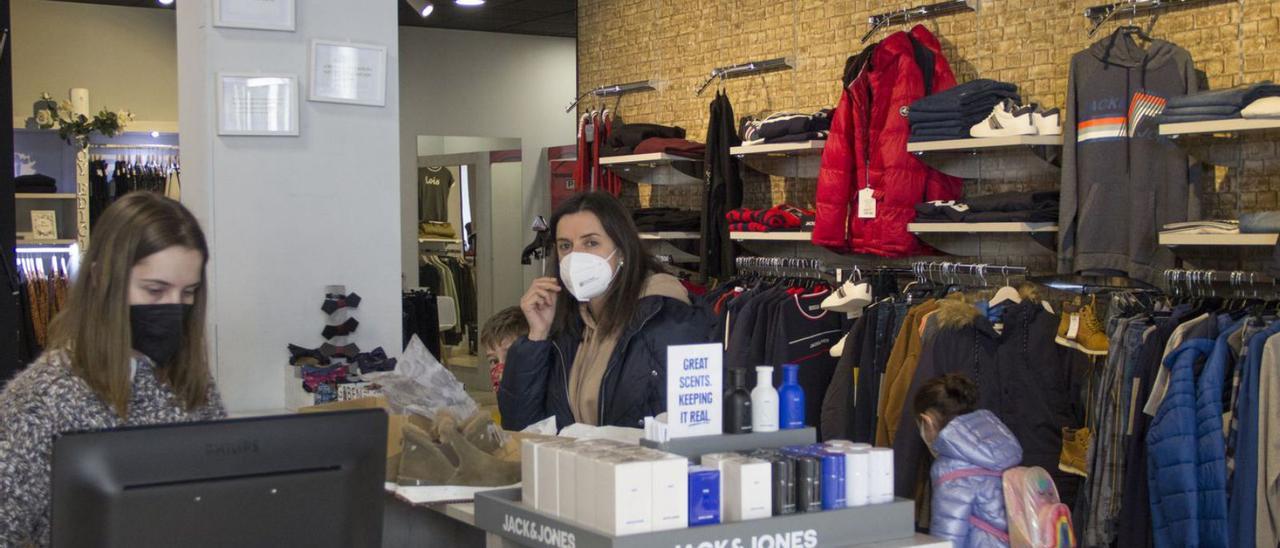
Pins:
x,y
1005,207
35,184
779,218
786,127
1260,100
1225,226
672,145
624,139
949,114
667,219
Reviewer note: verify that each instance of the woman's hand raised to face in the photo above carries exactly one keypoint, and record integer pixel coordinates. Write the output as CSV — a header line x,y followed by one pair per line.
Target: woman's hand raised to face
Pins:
x,y
539,306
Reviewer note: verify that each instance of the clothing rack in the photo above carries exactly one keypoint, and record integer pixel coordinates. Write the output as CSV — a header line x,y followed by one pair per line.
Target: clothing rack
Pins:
x,y
746,69
950,272
134,147
1103,13
614,90
1199,281
907,15
783,266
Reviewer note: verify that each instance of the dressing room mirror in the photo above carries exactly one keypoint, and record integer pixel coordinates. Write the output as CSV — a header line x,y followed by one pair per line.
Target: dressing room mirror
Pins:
x,y
468,189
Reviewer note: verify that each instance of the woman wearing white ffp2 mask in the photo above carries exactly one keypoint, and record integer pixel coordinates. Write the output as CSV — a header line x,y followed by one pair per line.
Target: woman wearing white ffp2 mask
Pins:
x,y
598,329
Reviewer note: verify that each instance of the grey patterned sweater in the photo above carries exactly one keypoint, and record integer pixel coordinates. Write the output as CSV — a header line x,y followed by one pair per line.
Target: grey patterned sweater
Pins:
x,y
47,399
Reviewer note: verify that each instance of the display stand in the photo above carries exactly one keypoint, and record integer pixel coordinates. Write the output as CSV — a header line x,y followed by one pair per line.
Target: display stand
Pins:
x,y
501,513
697,446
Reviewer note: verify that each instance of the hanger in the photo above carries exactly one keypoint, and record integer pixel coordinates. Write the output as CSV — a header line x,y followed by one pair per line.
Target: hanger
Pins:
x,y
1005,294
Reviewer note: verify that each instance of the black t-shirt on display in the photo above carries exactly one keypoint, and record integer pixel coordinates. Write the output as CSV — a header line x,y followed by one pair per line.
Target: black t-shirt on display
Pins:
x,y
433,193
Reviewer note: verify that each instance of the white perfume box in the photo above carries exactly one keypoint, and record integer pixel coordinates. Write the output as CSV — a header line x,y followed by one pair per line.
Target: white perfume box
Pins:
x,y
624,495
670,492
748,486
880,470
547,476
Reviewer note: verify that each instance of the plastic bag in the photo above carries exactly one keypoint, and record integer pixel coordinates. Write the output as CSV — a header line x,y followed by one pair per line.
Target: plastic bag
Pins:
x,y
1037,518
421,385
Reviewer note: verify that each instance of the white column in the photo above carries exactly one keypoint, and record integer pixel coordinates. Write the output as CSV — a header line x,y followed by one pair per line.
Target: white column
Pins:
x,y
286,216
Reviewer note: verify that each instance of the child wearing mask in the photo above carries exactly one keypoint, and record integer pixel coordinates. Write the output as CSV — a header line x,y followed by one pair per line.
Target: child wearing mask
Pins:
x,y
972,449
496,336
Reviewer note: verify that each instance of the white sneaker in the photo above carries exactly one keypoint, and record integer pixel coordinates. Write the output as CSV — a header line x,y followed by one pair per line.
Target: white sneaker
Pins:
x,y
1047,122
850,298
1005,120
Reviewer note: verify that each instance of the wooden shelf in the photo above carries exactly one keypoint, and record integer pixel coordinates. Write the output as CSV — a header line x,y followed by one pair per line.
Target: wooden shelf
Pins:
x,y
658,168
439,241
789,149
1176,239
796,160
985,142
1017,157
980,228
43,196
771,236
1219,126
638,159
44,242
670,235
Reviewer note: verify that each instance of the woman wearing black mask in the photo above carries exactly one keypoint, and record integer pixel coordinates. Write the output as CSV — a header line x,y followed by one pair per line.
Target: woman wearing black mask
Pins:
x,y
599,328
128,349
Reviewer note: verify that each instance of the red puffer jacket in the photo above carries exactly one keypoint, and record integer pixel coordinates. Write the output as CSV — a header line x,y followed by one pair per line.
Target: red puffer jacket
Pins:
x,y
867,148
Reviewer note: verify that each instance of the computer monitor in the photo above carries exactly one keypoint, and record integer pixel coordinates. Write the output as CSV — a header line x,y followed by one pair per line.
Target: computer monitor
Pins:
x,y
313,480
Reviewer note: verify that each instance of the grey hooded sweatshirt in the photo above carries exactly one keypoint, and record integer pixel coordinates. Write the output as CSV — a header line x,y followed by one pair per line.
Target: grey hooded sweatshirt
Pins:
x,y
1121,181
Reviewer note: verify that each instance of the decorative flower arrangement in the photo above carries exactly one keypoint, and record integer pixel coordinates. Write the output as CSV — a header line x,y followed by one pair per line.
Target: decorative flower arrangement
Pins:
x,y
74,128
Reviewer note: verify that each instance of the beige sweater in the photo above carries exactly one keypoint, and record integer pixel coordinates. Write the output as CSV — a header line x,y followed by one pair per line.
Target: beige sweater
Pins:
x,y
597,348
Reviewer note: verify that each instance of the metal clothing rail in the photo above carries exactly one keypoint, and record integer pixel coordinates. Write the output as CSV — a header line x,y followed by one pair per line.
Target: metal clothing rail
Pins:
x,y
949,272
615,89
1194,281
907,15
134,147
782,266
746,69
1103,13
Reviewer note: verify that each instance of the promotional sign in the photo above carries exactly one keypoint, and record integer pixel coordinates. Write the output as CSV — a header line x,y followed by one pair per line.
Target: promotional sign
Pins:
x,y
695,386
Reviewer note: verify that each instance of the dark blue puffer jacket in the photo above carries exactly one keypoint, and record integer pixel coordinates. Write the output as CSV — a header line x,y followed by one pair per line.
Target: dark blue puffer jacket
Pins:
x,y
978,448
535,382
1180,484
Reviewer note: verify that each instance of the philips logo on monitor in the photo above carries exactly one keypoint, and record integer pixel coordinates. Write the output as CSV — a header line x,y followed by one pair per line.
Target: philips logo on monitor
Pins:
x,y
231,449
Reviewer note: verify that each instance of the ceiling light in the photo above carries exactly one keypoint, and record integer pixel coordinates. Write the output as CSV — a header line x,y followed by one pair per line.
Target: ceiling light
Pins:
x,y
166,2
422,7
469,2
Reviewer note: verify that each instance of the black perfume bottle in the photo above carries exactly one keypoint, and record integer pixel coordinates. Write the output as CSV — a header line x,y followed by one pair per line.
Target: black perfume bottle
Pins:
x,y
737,403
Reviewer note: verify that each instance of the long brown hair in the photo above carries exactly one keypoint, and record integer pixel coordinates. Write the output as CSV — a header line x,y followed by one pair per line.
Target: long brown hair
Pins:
x,y
623,294
94,327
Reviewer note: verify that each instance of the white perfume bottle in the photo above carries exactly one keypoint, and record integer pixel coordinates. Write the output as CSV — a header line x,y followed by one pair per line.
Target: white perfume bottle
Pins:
x,y
764,401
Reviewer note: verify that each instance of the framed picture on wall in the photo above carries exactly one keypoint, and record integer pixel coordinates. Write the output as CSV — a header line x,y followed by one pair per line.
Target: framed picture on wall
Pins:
x,y
257,104
44,225
254,14
345,72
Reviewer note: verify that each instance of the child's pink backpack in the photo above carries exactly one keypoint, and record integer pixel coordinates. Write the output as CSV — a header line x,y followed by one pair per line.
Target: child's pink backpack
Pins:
x,y
1037,519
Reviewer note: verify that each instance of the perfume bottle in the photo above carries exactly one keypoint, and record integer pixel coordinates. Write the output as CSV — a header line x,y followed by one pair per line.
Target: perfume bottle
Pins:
x,y
737,403
764,401
791,398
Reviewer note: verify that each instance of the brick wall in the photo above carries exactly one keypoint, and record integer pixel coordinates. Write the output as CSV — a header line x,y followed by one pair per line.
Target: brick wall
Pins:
x,y
1027,42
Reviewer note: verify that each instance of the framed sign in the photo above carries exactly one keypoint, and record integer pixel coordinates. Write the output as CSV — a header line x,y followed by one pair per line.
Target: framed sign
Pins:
x,y
695,389
257,104
344,72
254,14
44,225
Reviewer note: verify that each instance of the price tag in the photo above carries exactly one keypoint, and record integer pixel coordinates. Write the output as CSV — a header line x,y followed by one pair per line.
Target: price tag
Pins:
x,y
589,133
1074,329
866,204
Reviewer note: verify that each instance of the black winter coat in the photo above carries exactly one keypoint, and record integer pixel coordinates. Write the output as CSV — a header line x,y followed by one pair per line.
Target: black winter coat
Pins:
x,y
1031,383
535,381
